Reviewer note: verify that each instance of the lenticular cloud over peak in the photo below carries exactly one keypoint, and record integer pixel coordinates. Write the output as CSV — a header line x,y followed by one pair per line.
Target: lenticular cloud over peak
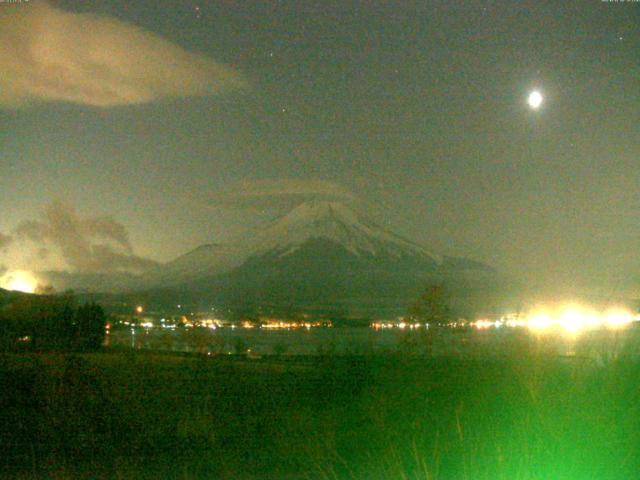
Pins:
x,y
47,54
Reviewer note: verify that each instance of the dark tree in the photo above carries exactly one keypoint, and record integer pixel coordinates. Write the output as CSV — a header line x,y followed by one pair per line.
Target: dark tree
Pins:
x,y
90,323
432,306
51,323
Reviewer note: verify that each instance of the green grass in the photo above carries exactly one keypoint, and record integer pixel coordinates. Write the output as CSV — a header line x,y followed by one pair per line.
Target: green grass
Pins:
x,y
528,415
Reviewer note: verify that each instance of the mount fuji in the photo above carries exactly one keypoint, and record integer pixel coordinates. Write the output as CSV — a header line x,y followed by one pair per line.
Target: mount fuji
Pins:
x,y
329,222
320,256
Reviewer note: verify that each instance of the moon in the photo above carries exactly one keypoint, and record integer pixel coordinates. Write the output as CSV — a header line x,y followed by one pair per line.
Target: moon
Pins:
x,y
535,99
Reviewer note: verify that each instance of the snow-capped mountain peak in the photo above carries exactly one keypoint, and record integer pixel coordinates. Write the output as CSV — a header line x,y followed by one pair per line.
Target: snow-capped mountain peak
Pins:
x,y
337,223
331,222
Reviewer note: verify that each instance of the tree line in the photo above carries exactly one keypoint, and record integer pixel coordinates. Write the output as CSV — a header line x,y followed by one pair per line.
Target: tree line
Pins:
x,y
51,323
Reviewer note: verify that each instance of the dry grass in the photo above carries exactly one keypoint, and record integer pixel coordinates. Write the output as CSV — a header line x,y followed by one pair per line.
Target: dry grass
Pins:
x,y
523,415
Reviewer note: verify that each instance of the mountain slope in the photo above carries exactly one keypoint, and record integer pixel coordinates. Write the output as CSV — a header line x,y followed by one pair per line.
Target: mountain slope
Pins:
x,y
321,256
205,260
337,223
331,221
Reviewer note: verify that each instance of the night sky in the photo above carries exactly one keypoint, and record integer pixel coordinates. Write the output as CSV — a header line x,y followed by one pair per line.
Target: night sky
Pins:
x,y
209,118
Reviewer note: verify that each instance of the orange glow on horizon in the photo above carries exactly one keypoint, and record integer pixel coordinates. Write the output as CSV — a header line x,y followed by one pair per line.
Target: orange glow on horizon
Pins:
x,y
19,281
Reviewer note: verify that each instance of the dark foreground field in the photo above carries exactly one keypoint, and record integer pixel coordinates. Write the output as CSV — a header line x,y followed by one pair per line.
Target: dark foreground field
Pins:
x,y
138,415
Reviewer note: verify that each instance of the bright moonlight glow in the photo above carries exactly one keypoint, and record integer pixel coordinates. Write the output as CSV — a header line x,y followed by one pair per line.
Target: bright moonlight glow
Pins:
x,y
19,280
535,99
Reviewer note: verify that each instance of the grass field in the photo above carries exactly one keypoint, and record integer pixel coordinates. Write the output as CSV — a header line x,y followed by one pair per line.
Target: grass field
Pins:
x,y
525,415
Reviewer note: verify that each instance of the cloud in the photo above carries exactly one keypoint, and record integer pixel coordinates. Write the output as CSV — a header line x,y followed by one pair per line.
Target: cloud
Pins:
x,y
281,193
5,240
92,244
47,54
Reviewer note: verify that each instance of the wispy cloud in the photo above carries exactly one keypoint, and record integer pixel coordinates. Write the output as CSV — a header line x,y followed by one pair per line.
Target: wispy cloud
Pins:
x,y
86,244
281,193
47,54
5,240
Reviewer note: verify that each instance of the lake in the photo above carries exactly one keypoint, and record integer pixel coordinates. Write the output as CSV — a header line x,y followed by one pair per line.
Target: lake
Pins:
x,y
599,344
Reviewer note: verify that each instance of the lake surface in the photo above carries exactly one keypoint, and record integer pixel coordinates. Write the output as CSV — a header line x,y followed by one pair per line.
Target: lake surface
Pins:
x,y
599,344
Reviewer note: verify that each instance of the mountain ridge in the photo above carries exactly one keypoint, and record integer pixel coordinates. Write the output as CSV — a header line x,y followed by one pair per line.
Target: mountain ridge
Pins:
x,y
317,219
321,255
